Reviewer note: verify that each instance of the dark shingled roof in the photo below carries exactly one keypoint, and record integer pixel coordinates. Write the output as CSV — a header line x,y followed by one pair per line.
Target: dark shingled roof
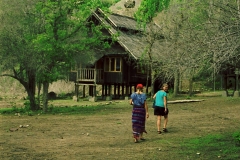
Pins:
x,y
134,42
123,21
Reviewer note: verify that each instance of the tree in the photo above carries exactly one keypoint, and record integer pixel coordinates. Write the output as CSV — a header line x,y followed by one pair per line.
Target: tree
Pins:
x,y
15,49
199,37
185,56
66,35
45,39
146,12
203,36
182,29
223,45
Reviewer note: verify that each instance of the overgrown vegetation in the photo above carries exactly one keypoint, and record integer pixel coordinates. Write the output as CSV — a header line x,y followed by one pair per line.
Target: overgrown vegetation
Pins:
x,y
225,146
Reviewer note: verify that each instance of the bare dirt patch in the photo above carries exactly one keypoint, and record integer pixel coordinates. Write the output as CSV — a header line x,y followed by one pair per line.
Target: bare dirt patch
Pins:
x,y
108,136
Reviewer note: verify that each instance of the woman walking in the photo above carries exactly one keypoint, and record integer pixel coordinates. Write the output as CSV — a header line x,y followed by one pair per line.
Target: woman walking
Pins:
x,y
139,113
161,108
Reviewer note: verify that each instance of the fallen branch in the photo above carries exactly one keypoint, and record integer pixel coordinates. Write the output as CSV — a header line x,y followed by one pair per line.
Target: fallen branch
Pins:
x,y
185,101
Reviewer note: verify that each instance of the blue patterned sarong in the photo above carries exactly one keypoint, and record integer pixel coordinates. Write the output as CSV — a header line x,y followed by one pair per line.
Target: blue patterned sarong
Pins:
x,y
138,121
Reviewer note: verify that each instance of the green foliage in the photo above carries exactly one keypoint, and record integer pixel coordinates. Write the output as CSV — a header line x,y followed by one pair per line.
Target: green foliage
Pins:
x,y
81,110
108,3
15,109
47,39
236,136
212,146
188,97
87,110
233,99
65,95
27,106
195,11
65,35
149,8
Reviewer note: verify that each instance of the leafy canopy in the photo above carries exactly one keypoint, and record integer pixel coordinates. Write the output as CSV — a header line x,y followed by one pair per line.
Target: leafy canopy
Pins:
x,y
149,8
65,34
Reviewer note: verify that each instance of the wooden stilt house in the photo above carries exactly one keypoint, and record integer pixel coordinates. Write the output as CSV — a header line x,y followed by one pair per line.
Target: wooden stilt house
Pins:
x,y
116,70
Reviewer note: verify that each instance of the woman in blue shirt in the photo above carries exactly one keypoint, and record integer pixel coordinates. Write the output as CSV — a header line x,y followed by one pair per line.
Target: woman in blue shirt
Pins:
x,y
139,113
161,107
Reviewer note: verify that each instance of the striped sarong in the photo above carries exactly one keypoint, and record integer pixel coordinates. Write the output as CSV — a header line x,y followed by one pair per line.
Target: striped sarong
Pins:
x,y
138,121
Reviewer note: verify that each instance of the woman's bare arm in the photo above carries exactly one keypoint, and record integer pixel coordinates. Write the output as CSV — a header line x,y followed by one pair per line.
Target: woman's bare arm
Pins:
x,y
130,102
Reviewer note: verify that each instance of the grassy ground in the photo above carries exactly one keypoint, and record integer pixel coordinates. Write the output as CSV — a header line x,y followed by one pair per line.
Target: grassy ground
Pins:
x,y
102,130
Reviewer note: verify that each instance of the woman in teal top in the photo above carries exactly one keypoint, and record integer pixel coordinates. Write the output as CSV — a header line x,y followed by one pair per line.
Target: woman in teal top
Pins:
x,y
161,107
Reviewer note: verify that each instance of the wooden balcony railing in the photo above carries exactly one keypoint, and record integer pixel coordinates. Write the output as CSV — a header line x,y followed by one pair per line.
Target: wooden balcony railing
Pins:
x,y
90,75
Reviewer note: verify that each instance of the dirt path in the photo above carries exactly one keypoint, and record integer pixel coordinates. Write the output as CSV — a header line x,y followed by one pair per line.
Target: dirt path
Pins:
x,y
104,136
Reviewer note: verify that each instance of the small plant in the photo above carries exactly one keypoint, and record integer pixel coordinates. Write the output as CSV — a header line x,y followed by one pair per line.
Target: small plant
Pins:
x,y
27,105
62,95
188,97
236,136
50,108
30,113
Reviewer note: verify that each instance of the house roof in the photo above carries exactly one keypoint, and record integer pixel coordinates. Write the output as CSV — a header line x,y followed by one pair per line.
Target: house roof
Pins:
x,y
120,21
130,35
137,46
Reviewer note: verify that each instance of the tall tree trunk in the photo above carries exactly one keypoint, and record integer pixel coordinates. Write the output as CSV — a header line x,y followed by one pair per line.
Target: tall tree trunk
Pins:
x,y
31,96
176,83
147,78
150,73
152,81
30,86
38,93
32,90
45,96
190,92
